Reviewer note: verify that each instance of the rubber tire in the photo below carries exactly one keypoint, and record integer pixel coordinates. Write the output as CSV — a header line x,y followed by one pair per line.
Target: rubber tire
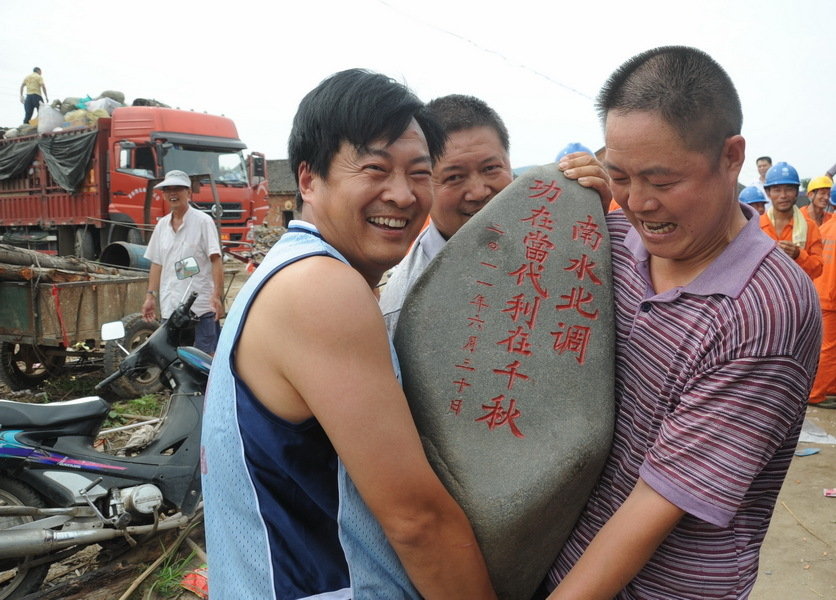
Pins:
x,y
134,236
136,332
26,581
84,245
17,378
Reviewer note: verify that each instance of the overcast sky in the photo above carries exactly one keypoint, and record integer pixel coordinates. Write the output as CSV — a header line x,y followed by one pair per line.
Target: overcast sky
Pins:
x,y
538,63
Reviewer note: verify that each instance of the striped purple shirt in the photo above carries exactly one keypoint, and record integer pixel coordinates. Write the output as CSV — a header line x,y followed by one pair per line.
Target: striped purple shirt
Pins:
x,y
711,386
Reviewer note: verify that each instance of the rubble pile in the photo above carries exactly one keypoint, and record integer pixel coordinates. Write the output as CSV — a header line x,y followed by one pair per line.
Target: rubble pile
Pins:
x,y
264,237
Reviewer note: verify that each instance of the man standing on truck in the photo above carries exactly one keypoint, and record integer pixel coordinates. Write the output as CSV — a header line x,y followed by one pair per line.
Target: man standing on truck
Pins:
x,y
185,232
33,84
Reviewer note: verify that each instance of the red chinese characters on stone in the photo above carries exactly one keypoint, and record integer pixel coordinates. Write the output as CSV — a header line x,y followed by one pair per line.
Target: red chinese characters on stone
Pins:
x,y
496,415
512,371
466,365
540,218
532,272
480,303
518,307
461,384
583,268
537,246
578,298
517,342
574,339
456,405
545,189
471,344
587,232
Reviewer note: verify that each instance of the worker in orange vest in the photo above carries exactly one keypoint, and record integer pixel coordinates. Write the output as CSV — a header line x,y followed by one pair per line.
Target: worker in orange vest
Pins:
x,y
818,191
796,234
825,383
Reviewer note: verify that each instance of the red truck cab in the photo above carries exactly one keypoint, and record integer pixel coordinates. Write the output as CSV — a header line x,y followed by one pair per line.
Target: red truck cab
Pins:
x,y
111,196
147,142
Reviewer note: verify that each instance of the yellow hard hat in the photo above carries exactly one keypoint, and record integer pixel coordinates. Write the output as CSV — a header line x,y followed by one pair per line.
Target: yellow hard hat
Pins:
x,y
818,183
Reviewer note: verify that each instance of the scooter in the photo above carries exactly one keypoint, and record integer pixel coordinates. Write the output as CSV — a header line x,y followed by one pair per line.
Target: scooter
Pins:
x,y
59,494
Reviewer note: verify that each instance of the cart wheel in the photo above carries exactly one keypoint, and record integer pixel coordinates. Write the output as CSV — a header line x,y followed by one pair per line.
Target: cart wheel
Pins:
x,y
16,578
24,366
138,384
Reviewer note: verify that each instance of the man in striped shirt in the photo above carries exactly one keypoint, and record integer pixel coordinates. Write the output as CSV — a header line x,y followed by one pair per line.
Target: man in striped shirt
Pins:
x,y
717,341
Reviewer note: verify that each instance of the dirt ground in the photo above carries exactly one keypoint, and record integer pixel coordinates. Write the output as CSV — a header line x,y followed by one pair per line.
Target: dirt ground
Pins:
x,y
798,559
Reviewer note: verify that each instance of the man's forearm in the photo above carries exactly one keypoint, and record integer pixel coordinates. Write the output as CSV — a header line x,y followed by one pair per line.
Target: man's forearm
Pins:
x,y
622,547
441,555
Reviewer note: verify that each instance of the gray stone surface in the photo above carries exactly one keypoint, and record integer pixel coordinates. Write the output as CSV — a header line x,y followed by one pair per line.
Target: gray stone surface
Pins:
x,y
506,348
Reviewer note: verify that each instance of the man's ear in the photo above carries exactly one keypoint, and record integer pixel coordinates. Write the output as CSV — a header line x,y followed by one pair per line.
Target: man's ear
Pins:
x,y
307,181
734,153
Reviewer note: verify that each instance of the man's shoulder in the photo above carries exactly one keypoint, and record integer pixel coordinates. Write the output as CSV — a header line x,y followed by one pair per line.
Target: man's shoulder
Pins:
x,y
779,277
198,216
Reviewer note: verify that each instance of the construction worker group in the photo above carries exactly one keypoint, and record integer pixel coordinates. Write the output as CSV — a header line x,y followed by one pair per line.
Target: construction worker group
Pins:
x,y
808,235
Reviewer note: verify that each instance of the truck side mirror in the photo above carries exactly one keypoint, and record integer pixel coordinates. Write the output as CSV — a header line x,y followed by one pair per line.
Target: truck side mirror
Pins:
x,y
257,165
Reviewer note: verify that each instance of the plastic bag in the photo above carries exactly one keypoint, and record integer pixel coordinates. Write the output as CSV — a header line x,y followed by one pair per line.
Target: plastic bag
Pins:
x,y
82,103
105,104
49,118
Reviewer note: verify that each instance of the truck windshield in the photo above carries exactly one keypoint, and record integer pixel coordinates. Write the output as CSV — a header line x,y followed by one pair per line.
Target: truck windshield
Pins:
x,y
228,168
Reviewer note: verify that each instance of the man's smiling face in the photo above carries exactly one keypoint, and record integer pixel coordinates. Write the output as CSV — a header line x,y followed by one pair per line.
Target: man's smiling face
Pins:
x,y
474,168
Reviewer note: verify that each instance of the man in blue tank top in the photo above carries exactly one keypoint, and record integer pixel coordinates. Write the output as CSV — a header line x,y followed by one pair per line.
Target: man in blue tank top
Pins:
x,y
315,480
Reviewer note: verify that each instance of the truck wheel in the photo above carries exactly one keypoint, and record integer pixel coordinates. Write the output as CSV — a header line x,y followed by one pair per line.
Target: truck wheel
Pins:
x,y
84,245
135,236
24,366
138,384
18,580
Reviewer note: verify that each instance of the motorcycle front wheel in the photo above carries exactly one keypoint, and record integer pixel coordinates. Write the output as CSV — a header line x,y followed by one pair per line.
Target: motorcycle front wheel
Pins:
x,y
16,578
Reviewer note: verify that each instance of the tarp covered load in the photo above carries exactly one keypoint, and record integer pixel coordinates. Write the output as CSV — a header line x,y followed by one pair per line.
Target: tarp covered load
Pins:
x,y
16,158
66,157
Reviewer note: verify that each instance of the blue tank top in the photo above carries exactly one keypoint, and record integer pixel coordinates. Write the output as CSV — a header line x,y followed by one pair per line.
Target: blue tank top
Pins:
x,y
281,513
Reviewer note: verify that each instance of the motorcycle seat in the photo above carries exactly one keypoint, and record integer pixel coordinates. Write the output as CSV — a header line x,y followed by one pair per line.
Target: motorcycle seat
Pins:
x,y
24,414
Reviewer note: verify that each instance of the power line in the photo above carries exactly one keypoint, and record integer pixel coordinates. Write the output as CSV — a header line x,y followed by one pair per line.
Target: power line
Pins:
x,y
487,50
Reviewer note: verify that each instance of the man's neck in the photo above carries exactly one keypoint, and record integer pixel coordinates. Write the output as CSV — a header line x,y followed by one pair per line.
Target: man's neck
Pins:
x,y
782,219
816,213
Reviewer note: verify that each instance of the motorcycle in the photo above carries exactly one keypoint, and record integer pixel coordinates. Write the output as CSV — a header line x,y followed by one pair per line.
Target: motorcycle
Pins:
x,y
59,494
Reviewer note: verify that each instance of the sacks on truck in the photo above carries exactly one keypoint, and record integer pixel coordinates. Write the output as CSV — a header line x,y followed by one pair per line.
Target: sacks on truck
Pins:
x,y
49,118
77,118
69,103
113,95
103,104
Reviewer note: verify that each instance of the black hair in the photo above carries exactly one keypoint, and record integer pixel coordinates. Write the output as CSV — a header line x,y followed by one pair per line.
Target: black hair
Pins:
x,y
766,158
457,112
687,87
355,106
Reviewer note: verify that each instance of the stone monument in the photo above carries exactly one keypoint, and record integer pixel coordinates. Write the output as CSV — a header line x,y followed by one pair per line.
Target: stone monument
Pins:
x,y
506,344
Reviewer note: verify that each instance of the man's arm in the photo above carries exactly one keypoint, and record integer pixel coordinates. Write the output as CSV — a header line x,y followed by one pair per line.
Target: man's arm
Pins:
x,y
46,96
150,305
22,96
314,344
590,173
217,285
622,547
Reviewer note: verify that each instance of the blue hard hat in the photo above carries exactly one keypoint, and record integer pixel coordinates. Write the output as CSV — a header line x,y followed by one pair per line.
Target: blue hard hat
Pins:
x,y
833,195
781,173
572,147
751,194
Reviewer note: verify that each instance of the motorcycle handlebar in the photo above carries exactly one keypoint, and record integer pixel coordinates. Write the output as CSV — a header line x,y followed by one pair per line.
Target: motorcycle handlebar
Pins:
x,y
108,380
189,301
